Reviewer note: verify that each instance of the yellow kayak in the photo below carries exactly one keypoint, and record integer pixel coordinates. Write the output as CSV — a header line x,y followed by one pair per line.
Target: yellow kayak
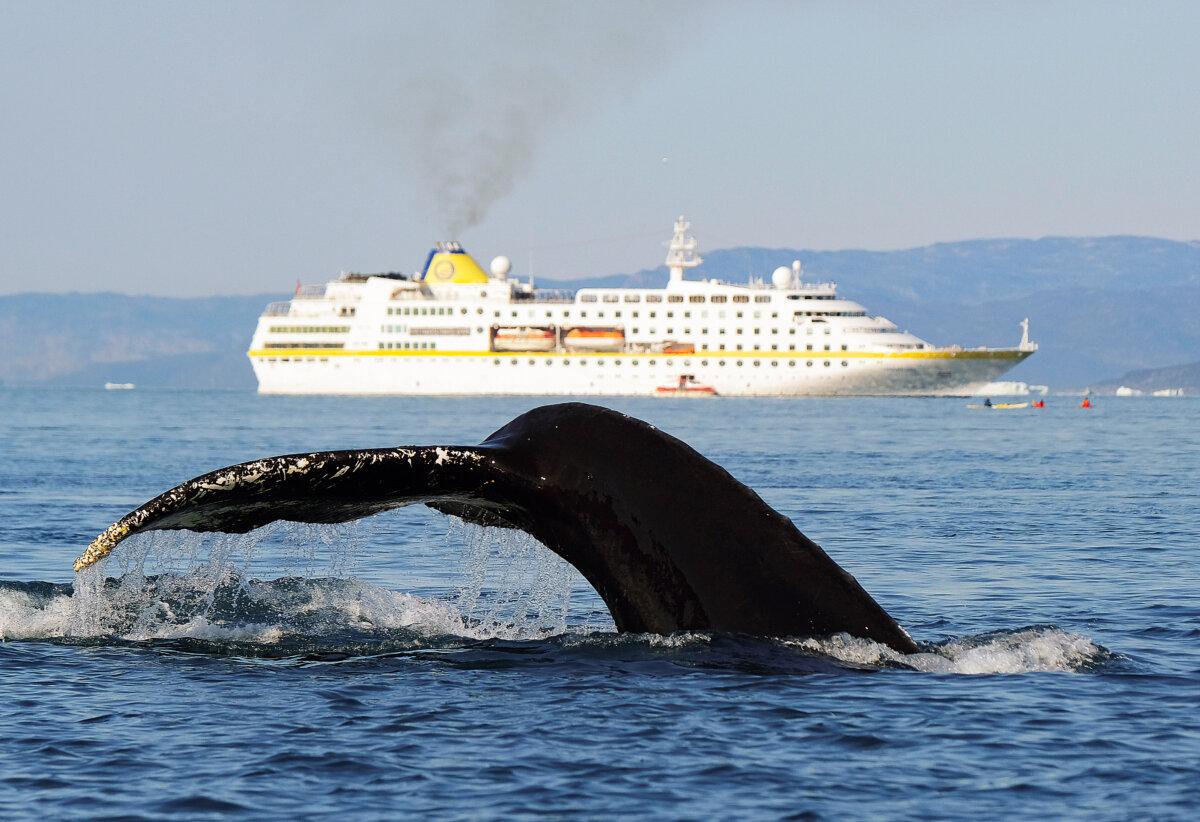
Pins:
x,y
1002,406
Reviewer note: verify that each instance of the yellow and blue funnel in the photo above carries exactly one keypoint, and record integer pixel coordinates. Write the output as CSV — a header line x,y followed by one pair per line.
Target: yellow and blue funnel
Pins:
x,y
448,263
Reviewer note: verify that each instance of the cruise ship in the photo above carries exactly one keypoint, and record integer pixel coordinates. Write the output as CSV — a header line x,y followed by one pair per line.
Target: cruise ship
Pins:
x,y
454,328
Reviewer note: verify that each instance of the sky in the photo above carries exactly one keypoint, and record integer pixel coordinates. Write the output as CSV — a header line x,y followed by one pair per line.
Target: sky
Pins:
x,y
221,148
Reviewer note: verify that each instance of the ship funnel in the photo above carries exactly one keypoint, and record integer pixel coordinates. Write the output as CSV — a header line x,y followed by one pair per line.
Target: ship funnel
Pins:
x,y
448,263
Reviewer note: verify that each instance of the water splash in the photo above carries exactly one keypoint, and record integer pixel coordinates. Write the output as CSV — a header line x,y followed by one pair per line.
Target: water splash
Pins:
x,y
1026,650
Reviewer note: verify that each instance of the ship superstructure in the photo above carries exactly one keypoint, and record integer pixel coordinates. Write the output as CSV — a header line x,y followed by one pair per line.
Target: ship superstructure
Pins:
x,y
454,328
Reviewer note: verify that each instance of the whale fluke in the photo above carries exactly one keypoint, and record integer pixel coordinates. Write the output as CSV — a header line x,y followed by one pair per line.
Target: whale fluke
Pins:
x,y
669,540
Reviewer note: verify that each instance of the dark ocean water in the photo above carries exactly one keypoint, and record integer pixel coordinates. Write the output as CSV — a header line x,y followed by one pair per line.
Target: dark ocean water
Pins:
x,y
1047,562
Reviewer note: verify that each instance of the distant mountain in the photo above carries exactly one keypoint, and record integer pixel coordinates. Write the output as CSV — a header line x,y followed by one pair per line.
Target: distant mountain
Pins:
x,y
1186,377
1098,306
91,339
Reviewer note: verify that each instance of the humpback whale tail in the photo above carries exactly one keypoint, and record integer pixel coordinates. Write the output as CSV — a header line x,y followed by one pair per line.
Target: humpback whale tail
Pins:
x,y
597,487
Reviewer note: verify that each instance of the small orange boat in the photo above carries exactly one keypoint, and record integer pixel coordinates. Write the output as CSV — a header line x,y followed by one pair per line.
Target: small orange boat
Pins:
x,y
595,339
686,387
523,338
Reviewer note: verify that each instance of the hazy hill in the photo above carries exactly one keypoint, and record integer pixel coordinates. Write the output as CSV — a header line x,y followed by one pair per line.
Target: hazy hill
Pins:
x,y
1186,377
1098,307
90,339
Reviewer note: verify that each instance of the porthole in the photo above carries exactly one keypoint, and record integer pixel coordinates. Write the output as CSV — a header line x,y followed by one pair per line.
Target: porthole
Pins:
x,y
792,363
652,362
774,363
704,363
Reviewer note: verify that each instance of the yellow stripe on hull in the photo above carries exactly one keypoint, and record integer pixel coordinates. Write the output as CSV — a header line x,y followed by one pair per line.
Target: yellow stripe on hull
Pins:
x,y
994,354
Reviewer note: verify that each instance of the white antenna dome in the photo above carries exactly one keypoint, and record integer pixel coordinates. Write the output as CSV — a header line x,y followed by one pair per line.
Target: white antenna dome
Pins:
x,y
782,277
500,267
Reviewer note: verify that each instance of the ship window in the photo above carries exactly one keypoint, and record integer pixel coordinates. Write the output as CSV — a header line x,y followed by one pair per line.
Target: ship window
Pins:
x,y
611,298
774,315
674,298
845,348
548,361
479,311
741,298
588,298
654,298
583,362
757,363
462,311
739,362
687,331
687,363
774,347
758,331
533,362
826,363
687,314
791,348
495,362
633,298
844,363
696,298
671,314
809,363
512,362
717,298
670,330
653,314
582,313
739,346
599,362
792,363
774,363
634,314
704,363
617,314
566,362
633,362
721,347
826,347
483,295
738,331
652,362
762,298
616,362
633,330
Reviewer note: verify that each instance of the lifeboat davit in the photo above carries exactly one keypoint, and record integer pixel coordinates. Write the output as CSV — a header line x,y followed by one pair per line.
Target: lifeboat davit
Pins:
x,y
523,338
594,339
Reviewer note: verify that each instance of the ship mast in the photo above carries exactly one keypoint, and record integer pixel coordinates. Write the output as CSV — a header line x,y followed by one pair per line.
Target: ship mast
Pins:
x,y
682,253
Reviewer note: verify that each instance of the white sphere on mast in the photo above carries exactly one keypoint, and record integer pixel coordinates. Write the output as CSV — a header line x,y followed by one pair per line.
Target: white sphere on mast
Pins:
x,y
500,267
782,277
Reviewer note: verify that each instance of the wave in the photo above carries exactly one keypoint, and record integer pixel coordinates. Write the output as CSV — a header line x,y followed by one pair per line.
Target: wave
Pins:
x,y
515,593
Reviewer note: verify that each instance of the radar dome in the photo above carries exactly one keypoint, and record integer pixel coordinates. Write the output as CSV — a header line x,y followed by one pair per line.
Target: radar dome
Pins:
x,y
500,267
782,277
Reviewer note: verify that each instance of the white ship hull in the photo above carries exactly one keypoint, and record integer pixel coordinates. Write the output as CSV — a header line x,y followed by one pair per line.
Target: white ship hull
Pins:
x,y
927,373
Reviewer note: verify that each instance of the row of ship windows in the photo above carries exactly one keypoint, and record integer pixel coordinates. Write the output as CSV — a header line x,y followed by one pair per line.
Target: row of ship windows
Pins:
x,y
600,362
309,329
303,345
693,298
686,363
415,311
408,346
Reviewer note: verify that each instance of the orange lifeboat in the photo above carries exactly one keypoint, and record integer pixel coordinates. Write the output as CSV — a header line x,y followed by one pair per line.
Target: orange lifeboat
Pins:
x,y
594,339
523,338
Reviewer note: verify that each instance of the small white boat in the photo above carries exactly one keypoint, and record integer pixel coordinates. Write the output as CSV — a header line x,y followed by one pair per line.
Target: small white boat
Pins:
x,y
119,386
